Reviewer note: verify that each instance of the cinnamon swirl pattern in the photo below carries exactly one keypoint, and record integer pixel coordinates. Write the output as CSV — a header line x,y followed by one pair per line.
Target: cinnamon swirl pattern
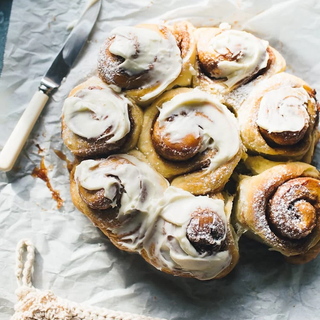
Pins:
x,y
119,194
228,59
281,207
146,60
190,136
192,237
98,121
279,120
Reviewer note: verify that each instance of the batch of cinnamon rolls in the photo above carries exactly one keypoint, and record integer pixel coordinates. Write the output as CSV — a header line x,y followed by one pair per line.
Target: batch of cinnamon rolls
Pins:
x,y
188,138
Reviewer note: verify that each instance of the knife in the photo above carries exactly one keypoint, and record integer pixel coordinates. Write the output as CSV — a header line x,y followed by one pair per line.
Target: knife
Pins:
x,y
49,83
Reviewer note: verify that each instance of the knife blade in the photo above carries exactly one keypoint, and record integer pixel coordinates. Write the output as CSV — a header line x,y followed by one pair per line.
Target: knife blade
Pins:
x,y
73,45
48,84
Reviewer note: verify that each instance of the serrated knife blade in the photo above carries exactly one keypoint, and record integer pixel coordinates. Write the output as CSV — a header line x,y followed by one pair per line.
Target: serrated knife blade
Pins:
x,y
51,81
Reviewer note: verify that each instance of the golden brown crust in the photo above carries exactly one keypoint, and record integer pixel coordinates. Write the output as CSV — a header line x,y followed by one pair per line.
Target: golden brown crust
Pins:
x,y
305,257
202,182
85,148
285,138
232,237
284,148
298,185
183,31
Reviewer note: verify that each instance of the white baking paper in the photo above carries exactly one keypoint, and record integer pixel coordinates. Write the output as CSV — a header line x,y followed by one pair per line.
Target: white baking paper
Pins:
x,y
74,259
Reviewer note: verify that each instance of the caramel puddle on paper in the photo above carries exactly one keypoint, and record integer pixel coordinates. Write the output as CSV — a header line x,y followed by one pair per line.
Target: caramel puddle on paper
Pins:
x,y
42,173
63,157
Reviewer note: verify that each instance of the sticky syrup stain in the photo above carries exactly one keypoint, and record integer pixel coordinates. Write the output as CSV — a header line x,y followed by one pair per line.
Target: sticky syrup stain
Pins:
x,y
42,173
40,150
63,157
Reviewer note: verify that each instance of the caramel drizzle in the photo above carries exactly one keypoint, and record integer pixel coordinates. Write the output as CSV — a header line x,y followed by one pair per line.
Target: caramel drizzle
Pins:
x,y
42,173
63,157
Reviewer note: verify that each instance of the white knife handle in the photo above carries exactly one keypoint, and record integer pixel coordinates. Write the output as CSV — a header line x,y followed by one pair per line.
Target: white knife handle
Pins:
x,y
19,136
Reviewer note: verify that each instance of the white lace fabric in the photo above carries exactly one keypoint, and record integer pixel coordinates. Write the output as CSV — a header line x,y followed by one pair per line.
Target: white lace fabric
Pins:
x,y
34,304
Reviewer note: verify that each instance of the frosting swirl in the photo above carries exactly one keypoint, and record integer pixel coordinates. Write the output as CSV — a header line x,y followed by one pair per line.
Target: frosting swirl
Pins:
x,y
193,122
169,239
284,110
233,55
127,185
150,59
97,112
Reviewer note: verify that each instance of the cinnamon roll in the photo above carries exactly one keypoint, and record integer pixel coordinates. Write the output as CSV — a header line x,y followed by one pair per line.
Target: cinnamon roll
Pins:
x,y
98,121
190,137
192,236
148,59
119,195
280,206
279,119
228,59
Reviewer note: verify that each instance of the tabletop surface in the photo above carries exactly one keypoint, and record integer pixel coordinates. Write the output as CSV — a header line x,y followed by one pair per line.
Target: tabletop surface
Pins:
x,y
5,10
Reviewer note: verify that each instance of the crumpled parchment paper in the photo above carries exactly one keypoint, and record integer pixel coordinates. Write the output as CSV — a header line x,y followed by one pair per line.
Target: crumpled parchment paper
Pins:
x,y
74,259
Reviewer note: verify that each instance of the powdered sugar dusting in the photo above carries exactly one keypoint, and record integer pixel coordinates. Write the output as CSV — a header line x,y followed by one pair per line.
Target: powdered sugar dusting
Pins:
x,y
284,208
206,229
292,211
107,68
151,58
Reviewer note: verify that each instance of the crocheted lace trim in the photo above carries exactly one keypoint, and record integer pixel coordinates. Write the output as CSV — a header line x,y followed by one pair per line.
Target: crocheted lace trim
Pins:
x,y
34,304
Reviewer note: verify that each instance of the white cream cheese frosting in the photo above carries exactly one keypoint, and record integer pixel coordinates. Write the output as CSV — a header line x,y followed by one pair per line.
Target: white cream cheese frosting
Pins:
x,y
284,109
168,238
200,114
249,53
145,50
141,186
97,112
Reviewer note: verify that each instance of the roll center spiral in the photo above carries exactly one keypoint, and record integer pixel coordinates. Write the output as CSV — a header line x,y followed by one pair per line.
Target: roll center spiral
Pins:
x,y
187,147
96,198
294,208
206,231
